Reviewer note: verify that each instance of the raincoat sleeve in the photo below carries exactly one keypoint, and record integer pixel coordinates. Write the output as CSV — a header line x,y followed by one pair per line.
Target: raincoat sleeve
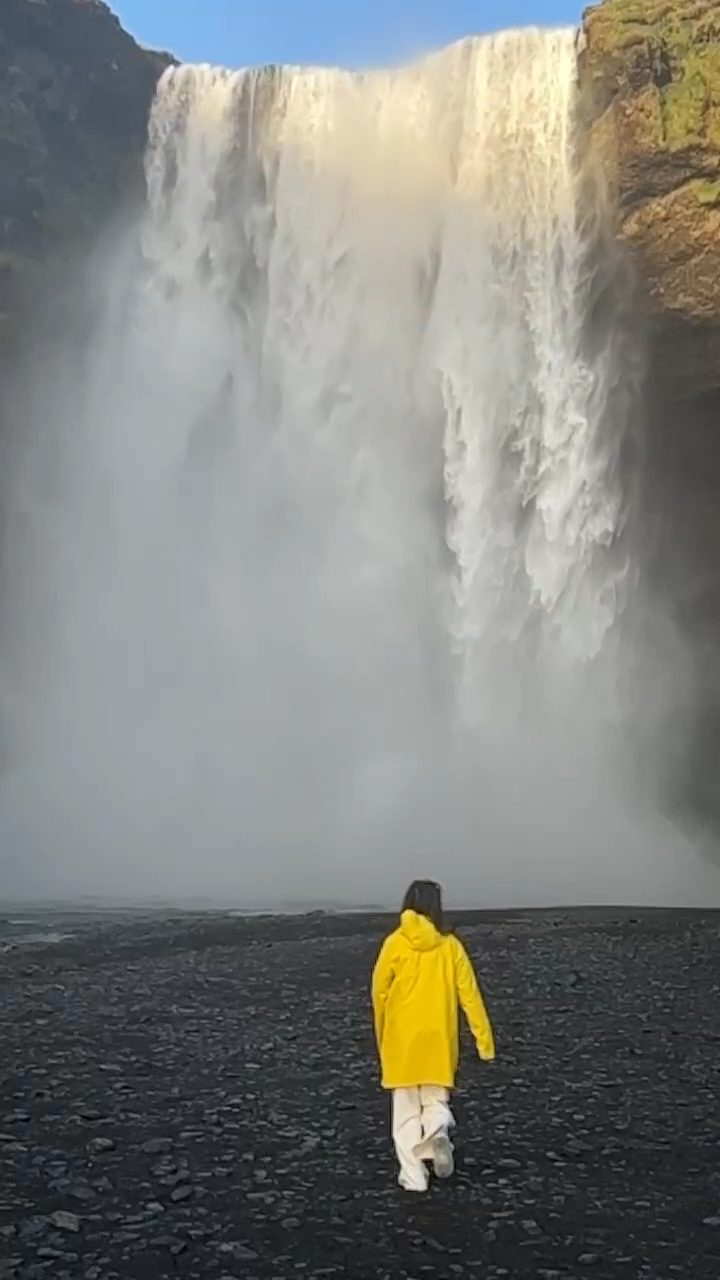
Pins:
x,y
472,1003
382,980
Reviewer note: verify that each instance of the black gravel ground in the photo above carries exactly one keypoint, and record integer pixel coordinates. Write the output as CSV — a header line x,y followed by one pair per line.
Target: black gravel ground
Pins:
x,y
197,1096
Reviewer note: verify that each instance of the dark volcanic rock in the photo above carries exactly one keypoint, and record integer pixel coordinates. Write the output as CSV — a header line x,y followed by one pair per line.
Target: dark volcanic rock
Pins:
x,y
75,93
236,1081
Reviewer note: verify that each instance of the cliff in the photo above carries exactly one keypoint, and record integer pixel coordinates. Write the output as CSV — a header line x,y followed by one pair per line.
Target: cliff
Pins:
x,y
75,91
650,74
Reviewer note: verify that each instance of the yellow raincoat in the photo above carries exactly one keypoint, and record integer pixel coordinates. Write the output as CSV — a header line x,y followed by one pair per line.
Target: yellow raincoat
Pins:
x,y
420,979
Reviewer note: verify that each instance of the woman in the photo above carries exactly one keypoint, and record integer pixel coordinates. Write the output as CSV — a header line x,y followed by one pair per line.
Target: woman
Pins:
x,y
422,975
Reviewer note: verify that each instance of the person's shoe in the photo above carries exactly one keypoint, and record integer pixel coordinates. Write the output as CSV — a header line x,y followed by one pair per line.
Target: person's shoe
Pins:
x,y
415,1188
442,1157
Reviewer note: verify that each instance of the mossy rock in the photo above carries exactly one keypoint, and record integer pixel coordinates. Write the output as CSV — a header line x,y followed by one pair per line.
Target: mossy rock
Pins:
x,y
705,192
672,49
650,85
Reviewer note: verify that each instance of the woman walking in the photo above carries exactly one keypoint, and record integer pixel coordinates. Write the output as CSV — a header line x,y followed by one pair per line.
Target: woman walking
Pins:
x,y
422,976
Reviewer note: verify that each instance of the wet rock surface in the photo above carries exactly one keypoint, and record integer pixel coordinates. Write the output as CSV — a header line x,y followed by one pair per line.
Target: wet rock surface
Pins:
x,y
197,1096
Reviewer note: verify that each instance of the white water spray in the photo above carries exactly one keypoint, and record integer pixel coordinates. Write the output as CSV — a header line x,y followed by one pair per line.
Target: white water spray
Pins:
x,y
342,548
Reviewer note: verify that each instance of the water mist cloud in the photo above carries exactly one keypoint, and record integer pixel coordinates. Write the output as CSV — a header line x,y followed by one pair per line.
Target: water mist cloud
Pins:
x,y
330,573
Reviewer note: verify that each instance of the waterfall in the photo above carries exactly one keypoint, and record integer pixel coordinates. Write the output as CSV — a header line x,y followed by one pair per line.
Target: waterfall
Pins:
x,y
342,544
403,257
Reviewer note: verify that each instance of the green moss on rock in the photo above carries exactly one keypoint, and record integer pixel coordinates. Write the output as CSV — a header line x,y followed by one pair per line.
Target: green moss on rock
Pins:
x,y
650,80
705,192
684,106
691,101
672,48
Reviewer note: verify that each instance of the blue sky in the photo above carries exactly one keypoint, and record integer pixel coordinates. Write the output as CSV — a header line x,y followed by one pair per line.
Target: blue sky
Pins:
x,y
349,33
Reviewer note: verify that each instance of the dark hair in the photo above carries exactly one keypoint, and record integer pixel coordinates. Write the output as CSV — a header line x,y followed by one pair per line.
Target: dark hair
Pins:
x,y
425,898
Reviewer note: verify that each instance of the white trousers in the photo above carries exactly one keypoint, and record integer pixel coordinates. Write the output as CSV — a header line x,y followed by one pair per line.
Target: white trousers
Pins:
x,y
418,1116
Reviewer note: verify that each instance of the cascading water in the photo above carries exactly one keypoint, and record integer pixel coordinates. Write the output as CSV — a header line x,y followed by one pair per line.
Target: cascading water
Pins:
x,y
405,249
342,538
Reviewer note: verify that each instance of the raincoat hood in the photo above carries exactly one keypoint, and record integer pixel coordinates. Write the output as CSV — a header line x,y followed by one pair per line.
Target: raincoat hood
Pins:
x,y
419,932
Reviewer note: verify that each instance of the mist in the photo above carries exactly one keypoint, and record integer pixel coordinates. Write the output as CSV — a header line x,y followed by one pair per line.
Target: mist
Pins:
x,y
321,567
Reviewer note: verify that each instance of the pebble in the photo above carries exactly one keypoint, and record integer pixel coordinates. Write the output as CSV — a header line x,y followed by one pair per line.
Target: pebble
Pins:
x,y
65,1221
98,1146
82,1193
157,1146
181,1193
239,1251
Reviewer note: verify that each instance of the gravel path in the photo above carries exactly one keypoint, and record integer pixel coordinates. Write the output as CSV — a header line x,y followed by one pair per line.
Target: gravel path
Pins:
x,y
197,1097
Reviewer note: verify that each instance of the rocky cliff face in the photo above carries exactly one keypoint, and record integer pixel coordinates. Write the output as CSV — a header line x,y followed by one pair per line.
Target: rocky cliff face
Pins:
x,y
75,91
650,71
